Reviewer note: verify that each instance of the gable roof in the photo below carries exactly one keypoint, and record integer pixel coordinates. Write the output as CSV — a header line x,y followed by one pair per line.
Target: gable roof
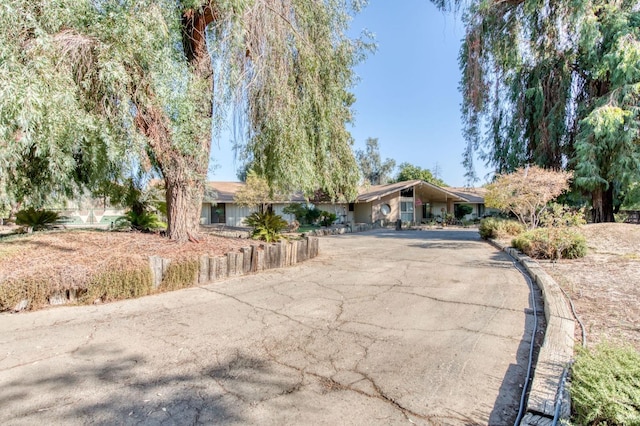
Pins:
x,y
473,195
224,192
378,191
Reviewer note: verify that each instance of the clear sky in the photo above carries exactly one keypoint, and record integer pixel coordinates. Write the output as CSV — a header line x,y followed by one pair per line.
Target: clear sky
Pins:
x,y
407,96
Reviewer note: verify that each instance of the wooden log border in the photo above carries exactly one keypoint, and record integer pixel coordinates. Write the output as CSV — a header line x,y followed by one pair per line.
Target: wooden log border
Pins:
x,y
248,260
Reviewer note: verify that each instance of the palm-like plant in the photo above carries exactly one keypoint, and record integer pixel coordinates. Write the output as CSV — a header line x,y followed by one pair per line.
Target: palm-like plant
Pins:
x,y
37,219
266,226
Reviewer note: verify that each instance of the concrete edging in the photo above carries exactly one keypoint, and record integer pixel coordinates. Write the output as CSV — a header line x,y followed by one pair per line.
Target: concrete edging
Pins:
x,y
556,351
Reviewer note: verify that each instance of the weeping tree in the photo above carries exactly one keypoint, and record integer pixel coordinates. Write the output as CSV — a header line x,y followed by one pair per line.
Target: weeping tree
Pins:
x,y
557,84
93,90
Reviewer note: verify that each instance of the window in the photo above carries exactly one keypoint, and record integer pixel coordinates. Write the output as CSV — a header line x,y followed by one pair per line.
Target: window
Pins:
x,y
218,213
407,192
406,211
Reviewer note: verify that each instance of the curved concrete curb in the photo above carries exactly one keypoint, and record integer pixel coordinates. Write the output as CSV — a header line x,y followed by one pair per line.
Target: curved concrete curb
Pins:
x,y
556,351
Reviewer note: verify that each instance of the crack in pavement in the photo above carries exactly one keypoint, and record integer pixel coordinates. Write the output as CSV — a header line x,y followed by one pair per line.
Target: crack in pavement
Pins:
x,y
459,302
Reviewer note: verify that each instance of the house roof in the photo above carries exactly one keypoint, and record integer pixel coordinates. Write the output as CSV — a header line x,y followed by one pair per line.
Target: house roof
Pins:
x,y
424,190
221,192
473,195
224,192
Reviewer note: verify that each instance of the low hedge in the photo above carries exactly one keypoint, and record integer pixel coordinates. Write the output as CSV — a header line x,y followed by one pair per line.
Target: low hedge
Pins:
x,y
551,243
492,227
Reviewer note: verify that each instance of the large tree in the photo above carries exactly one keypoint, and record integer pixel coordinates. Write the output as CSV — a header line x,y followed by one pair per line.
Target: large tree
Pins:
x,y
373,170
407,171
94,89
555,83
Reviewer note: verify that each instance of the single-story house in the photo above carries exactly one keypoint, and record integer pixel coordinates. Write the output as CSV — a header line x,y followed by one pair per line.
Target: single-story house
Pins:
x,y
475,199
219,206
412,201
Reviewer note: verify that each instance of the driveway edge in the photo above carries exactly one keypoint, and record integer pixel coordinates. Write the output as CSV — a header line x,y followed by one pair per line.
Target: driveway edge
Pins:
x,y
556,351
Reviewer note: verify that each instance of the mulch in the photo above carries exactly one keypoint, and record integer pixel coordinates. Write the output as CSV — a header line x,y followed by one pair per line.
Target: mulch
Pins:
x,y
67,259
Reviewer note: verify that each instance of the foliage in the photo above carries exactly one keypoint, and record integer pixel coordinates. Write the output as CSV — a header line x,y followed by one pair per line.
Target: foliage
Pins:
x,y
266,226
491,227
408,171
555,83
551,243
96,90
461,210
373,170
297,73
144,221
37,219
605,386
557,215
526,192
180,274
117,283
327,218
255,193
632,197
34,291
304,213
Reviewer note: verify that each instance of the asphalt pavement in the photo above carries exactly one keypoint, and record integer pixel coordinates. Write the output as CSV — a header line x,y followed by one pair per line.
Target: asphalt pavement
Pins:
x,y
383,327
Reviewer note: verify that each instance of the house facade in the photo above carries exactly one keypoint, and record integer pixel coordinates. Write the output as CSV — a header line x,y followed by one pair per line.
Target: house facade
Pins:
x,y
412,201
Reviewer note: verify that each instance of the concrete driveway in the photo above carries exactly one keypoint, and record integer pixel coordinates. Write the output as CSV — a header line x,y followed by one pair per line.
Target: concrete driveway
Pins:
x,y
384,327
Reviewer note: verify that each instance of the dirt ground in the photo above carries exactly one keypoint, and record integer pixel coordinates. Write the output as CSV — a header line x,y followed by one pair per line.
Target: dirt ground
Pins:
x,y
605,285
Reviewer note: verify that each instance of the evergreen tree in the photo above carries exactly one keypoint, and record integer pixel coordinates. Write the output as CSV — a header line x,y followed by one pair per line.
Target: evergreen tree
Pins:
x,y
557,84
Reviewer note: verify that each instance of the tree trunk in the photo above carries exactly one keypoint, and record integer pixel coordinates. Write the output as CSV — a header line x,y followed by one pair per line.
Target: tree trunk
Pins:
x,y
184,173
184,203
602,202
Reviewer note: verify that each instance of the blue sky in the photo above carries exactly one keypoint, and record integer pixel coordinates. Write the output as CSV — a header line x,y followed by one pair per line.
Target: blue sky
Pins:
x,y
407,96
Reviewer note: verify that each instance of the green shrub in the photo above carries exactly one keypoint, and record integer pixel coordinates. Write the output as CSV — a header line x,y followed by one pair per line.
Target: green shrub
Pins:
x,y
304,214
37,219
461,210
144,221
492,227
266,226
551,243
327,218
605,386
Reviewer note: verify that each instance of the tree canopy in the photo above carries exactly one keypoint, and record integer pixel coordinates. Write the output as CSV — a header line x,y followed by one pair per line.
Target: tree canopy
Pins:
x,y
557,84
526,192
373,170
407,171
93,90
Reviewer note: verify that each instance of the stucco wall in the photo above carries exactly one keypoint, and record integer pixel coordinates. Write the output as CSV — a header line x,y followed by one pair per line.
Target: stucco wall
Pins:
x,y
393,202
362,213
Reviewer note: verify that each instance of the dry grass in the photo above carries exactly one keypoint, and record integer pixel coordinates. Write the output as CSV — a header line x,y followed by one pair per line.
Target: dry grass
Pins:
x,y
605,285
97,262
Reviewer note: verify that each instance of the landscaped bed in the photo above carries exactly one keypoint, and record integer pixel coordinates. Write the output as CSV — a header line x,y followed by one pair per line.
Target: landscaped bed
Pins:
x,y
41,264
